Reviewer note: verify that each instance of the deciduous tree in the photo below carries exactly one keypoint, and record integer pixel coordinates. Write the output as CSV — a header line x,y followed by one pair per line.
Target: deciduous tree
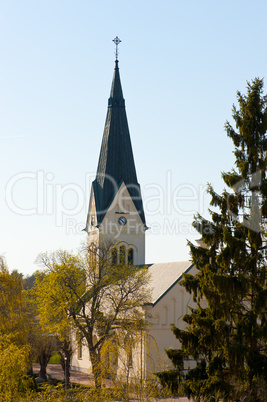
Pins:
x,y
13,365
54,297
14,350
13,318
100,299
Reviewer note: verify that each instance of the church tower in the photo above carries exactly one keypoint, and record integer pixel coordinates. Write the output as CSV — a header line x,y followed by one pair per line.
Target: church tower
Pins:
x,y
116,213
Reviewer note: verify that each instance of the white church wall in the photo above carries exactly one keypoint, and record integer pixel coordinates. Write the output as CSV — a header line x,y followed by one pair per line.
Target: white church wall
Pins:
x,y
148,354
92,221
132,234
80,359
168,310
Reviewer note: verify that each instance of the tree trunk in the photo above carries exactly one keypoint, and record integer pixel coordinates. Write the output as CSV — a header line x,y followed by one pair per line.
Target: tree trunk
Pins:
x,y
65,357
43,359
96,367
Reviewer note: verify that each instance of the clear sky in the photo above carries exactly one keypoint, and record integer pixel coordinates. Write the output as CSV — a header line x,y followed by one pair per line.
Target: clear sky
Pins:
x,y
181,63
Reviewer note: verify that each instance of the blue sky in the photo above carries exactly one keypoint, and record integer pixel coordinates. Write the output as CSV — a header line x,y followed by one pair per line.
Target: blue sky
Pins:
x,y
181,64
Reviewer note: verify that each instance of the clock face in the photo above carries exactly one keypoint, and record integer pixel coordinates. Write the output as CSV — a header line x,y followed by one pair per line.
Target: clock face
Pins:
x,y
122,220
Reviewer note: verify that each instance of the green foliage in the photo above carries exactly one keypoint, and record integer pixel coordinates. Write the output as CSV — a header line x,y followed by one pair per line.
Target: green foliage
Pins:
x,y
56,290
92,297
112,303
227,334
13,317
169,379
13,364
55,358
50,393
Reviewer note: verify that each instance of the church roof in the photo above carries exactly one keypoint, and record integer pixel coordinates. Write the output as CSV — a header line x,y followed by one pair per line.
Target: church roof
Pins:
x,y
116,161
164,276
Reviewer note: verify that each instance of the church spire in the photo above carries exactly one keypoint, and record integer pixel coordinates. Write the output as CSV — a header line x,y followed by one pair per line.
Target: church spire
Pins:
x,y
116,161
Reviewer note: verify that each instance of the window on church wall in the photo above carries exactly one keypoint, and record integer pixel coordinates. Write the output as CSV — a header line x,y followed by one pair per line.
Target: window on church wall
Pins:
x,y
165,315
91,259
92,254
130,256
80,350
130,357
109,359
114,256
125,201
173,312
92,221
181,308
79,346
122,254
156,319
128,347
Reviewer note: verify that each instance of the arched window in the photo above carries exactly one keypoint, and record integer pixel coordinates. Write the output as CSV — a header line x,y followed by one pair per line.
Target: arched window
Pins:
x,y
79,345
80,350
181,306
173,310
109,357
122,254
130,256
156,319
130,357
114,256
165,315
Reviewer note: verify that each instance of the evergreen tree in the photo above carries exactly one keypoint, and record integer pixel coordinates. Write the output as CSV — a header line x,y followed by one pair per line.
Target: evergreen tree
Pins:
x,y
227,332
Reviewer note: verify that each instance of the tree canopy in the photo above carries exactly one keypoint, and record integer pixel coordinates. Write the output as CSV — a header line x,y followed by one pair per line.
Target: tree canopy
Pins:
x,y
14,347
13,317
92,297
53,297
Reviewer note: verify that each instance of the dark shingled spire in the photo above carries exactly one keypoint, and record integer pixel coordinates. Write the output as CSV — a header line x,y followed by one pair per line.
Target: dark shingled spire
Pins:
x,y
116,162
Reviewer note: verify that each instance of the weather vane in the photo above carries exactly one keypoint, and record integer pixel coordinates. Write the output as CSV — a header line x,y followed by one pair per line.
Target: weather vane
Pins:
x,y
117,41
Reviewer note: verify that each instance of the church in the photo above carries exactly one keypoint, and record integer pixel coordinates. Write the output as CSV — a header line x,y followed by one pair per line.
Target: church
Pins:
x,y
116,215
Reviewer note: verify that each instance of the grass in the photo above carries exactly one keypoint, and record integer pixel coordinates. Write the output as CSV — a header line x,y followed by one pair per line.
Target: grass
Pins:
x,y
55,358
81,393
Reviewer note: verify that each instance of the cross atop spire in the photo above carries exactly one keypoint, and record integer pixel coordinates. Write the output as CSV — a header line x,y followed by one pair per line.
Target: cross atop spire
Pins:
x,y
117,41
